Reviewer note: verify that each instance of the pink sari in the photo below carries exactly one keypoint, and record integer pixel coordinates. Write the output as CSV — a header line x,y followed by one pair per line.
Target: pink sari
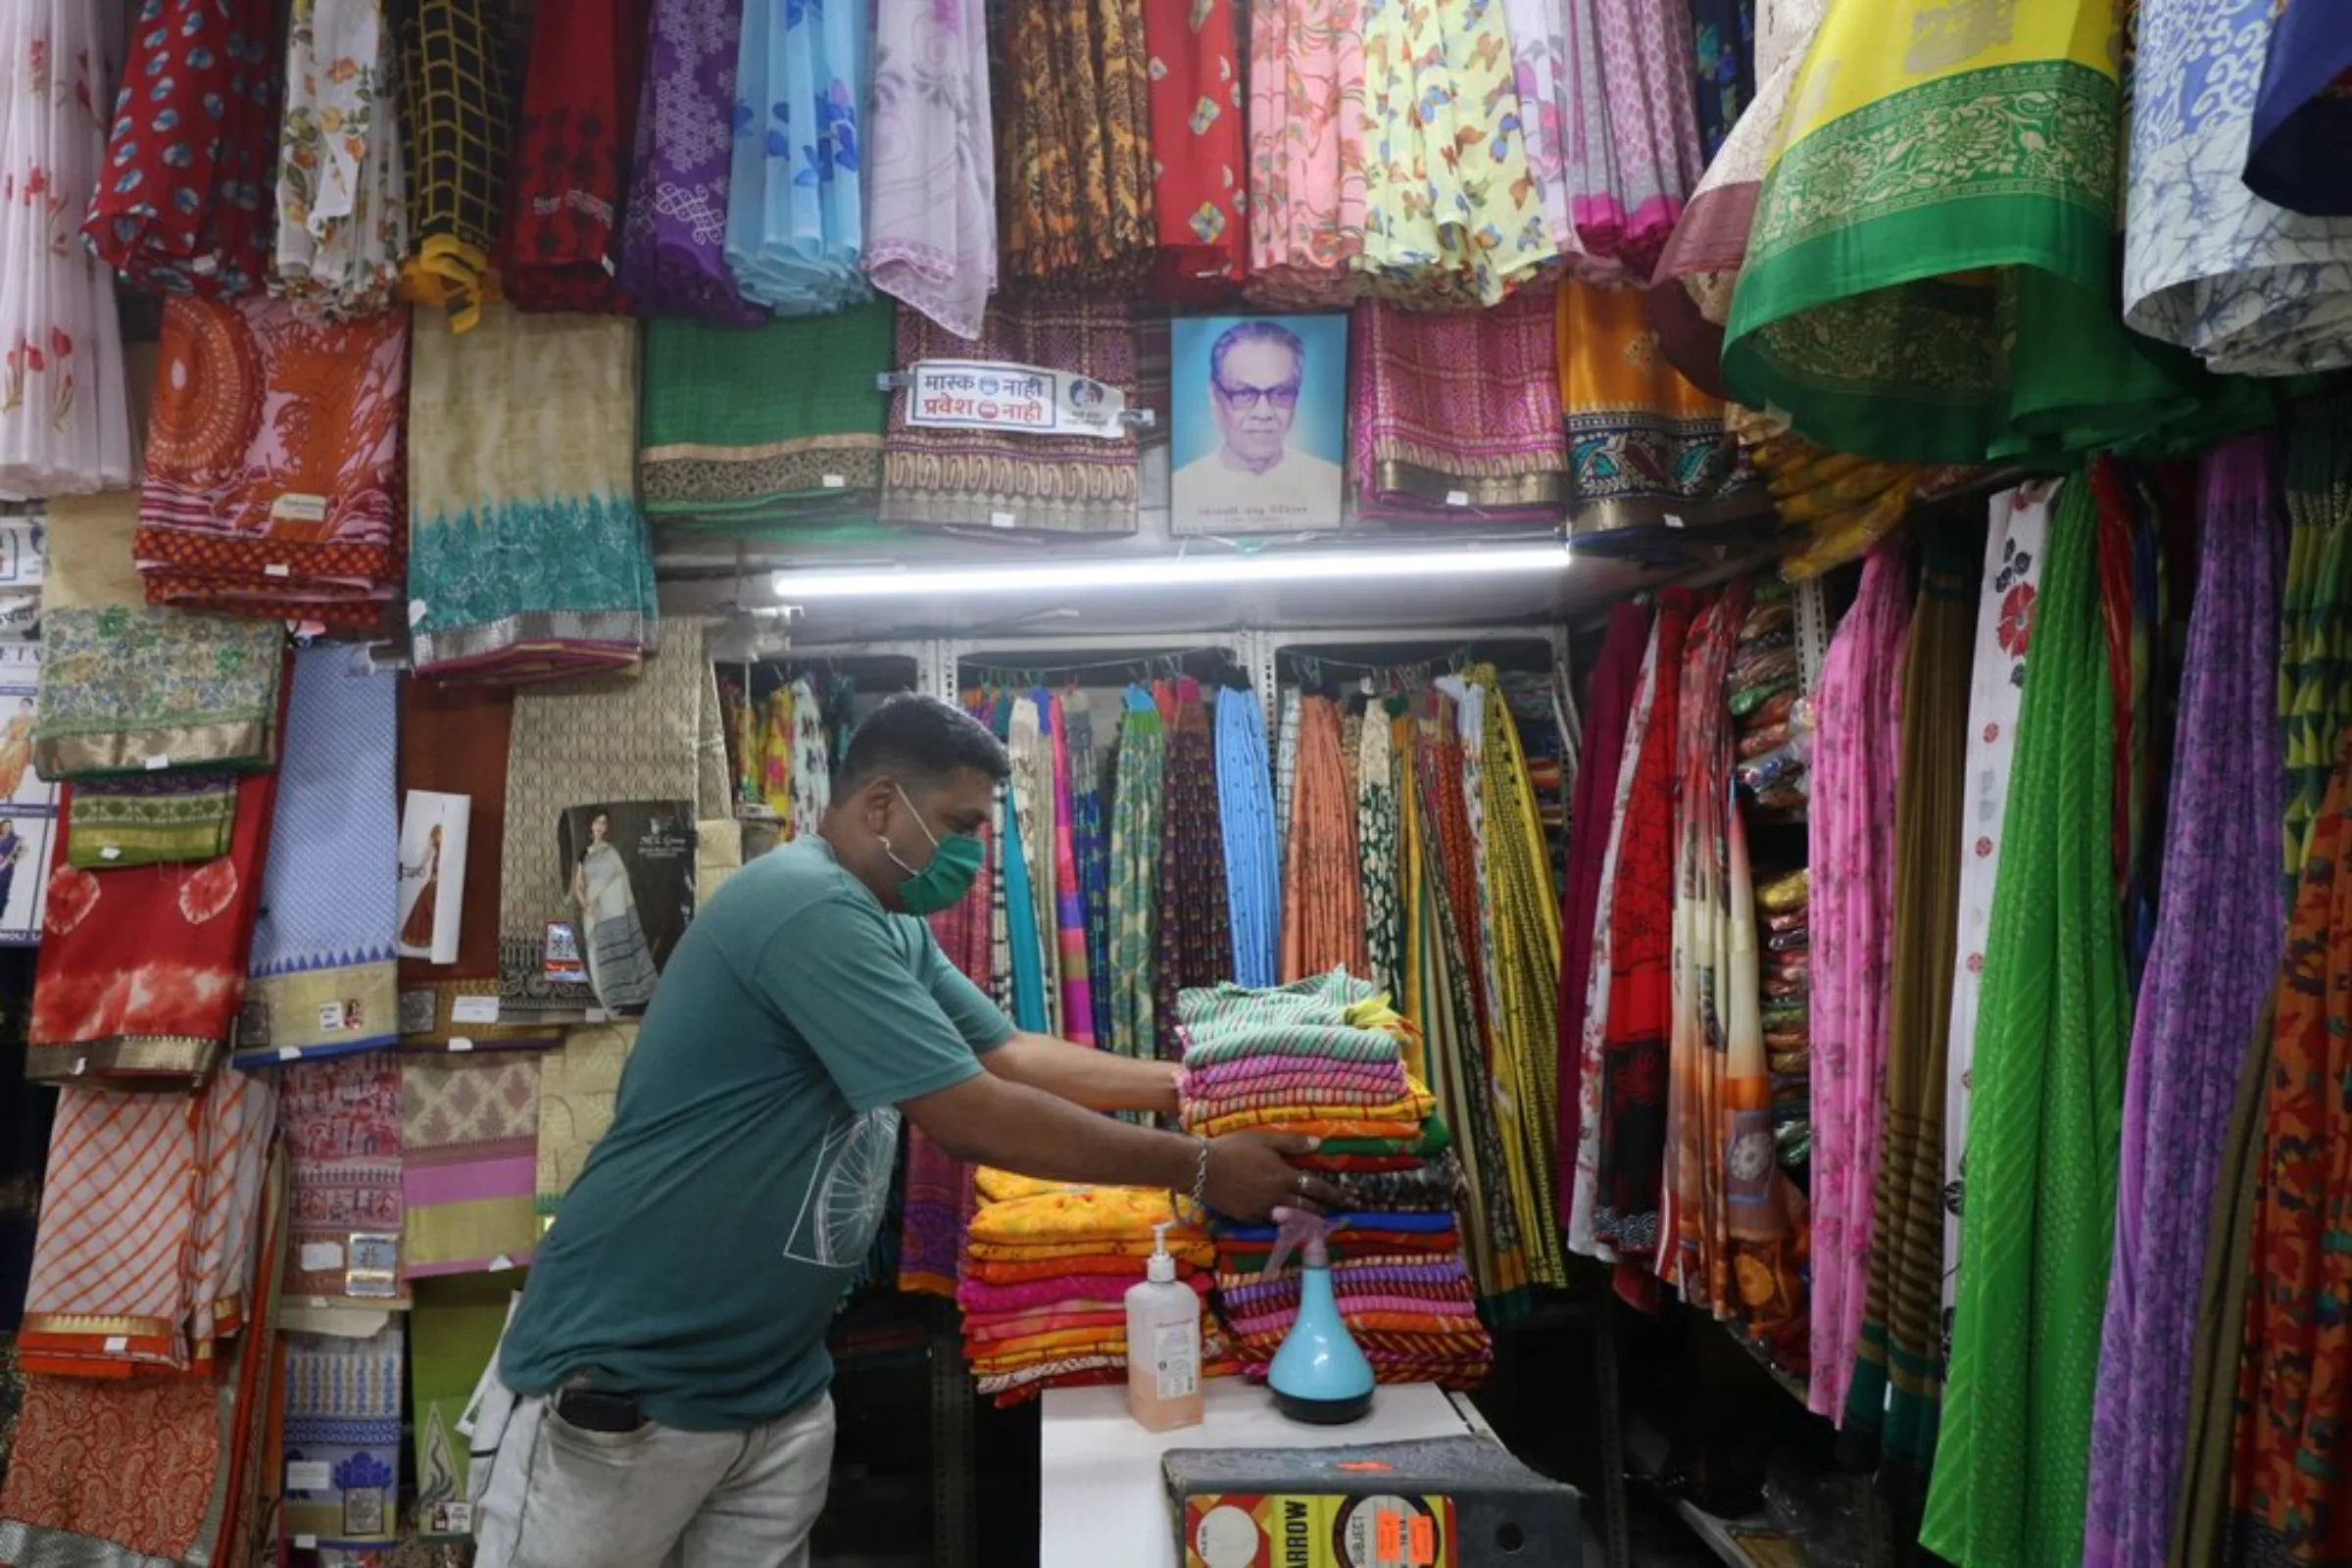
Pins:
x,y
1307,163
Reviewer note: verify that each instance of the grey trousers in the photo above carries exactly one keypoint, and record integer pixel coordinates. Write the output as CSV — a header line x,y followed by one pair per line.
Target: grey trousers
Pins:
x,y
557,1496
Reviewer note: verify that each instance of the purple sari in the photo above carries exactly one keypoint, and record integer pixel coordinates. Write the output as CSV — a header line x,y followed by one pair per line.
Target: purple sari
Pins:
x,y
674,234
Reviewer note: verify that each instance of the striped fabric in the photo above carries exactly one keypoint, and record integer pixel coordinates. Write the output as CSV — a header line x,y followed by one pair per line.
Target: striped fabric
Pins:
x,y
147,1218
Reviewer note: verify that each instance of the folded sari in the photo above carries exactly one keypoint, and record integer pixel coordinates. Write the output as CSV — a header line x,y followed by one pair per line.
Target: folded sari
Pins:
x,y
1073,104
1396,1119
1456,414
342,170
981,1330
180,211
1644,445
1080,1214
571,158
168,818
469,1141
931,182
2304,115
1306,151
529,559
1113,1271
1245,1075
150,1215
455,102
1054,483
1197,151
123,685
673,232
141,972
341,1119
325,947
343,1406
1199,1253
1067,1342
764,425
1072,1291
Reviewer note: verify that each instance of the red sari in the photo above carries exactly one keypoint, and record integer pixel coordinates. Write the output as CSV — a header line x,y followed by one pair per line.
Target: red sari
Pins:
x,y
1199,161
572,157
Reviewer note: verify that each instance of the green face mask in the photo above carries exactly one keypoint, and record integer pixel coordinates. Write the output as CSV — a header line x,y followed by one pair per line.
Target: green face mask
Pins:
x,y
955,863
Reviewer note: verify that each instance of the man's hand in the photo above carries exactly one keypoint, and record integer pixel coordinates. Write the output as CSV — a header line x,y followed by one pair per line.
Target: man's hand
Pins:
x,y
1250,1174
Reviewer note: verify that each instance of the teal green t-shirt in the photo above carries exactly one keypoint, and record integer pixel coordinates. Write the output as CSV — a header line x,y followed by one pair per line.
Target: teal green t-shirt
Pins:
x,y
697,1261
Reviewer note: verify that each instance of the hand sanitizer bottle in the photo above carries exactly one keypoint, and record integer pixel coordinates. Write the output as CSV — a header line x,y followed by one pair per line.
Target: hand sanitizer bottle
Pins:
x,y
1164,1344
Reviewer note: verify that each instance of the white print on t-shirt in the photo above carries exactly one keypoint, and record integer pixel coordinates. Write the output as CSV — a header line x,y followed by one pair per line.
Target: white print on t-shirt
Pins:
x,y
849,1186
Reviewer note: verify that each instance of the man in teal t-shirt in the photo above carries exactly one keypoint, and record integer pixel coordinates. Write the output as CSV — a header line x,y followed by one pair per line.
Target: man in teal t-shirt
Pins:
x,y
664,1378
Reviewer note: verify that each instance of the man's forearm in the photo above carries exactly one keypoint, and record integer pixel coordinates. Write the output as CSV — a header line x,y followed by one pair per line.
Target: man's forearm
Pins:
x,y
991,1120
1098,1080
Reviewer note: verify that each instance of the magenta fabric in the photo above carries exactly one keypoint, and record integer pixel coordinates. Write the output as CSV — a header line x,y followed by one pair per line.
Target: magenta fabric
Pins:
x,y
2219,934
1608,709
1072,1290
1656,157
1852,925
1069,896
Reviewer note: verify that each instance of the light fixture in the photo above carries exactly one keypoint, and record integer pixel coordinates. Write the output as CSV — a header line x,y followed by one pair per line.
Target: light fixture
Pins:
x,y
1174,572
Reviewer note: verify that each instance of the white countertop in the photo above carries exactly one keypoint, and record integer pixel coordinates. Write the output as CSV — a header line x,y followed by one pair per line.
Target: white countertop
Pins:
x,y
1101,1503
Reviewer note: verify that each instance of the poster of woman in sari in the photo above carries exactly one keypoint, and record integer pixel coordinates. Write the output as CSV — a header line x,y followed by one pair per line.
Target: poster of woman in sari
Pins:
x,y
432,874
632,893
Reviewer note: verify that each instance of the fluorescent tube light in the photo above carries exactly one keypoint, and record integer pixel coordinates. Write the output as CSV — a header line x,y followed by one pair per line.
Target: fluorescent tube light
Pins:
x,y
1173,571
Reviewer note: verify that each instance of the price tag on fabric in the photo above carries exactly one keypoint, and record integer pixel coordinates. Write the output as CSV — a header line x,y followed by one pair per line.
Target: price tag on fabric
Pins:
x,y
289,1053
473,1009
110,852
319,1258
416,611
331,1016
156,764
278,568
598,1015
460,1042
836,481
1671,520
1457,497
116,1344
296,509
1002,520
310,1475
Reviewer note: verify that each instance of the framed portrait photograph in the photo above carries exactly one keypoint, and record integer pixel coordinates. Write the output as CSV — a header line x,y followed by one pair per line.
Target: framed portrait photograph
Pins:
x,y
1259,422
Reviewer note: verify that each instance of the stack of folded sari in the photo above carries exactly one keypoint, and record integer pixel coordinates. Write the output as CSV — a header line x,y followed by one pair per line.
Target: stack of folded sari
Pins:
x,y
1047,1268
1326,1057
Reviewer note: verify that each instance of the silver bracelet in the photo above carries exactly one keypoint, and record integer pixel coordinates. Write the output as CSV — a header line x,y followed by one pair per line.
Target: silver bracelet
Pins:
x,y
1200,1179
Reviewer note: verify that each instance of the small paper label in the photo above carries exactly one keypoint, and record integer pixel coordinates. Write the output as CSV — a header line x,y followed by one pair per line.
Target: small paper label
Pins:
x,y
460,1042
156,764
278,568
1457,497
82,1064
598,1015
1672,521
454,1518
500,1263
330,1015
1002,520
297,509
289,1053
110,852
310,1475
319,1258
473,1009
416,611
116,1344
1176,1360
836,481
306,1543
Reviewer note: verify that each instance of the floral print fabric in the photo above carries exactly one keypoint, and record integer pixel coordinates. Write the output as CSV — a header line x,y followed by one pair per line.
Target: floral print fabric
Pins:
x,y
572,157
342,173
795,212
1306,151
1136,803
1198,157
63,419
182,206
1075,154
931,183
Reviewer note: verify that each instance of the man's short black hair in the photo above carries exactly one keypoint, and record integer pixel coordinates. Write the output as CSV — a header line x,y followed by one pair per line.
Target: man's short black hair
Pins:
x,y
920,741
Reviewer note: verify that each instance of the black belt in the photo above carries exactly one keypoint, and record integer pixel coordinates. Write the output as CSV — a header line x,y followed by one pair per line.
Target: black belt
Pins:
x,y
593,1410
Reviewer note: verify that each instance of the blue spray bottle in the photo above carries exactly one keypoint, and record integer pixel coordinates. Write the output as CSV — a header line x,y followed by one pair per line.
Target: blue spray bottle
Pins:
x,y
1319,1375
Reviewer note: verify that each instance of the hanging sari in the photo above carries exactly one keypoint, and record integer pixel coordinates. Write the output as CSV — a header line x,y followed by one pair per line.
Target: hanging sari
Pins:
x,y
1322,922
1072,98
1850,830
1690,293
1456,414
2010,1478
1451,217
2250,288
2284,1494
129,689
1897,1371
1644,446
1552,111
1069,892
1197,151
2315,681
674,227
1091,842
1722,42
469,1160
736,428
1137,801
183,204
2014,547
142,971
1644,53
1196,933
931,182
2218,945
796,228
342,172
343,1402
64,420
1260,888
1917,289
2303,117
529,559
1306,151
456,105
273,463
1379,851
325,945
341,1122
981,478
1030,747
571,157
1591,823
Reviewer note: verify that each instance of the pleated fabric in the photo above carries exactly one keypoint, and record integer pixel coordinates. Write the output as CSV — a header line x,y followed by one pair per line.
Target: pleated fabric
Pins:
x,y
2218,941
1253,871
1135,815
1322,903
2010,1481
1897,1374
2315,651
